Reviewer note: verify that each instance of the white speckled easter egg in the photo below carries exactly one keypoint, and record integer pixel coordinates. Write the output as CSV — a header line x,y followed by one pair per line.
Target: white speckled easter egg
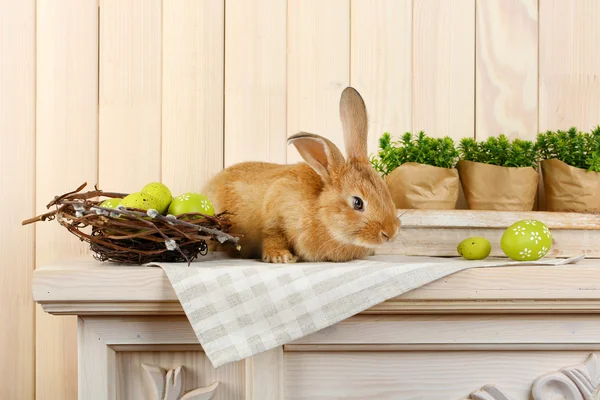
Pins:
x,y
526,240
191,203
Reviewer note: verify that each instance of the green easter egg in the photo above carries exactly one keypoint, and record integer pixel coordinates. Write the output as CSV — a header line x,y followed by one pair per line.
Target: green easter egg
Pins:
x,y
526,240
474,248
142,201
161,193
191,203
110,203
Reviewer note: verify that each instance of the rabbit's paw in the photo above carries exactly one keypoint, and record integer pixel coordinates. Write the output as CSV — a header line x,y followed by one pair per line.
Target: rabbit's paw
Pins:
x,y
278,256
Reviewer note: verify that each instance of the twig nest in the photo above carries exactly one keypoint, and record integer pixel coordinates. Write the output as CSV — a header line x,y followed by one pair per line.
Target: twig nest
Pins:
x,y
129,229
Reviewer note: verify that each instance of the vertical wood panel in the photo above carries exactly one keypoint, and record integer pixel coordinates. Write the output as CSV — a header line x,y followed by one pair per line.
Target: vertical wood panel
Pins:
x,y
192,124
130,94
318,68
506,68
17,184
67,143
255,81
569,64
444,72
381,64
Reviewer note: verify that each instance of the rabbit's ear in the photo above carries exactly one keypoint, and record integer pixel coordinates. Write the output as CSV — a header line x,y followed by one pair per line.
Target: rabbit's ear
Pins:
x,y
353,115
321,154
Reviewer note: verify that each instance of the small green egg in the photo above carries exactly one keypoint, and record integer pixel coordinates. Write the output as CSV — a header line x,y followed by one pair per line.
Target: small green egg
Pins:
x,y
161,193
110,203
191,203
474,248
139,200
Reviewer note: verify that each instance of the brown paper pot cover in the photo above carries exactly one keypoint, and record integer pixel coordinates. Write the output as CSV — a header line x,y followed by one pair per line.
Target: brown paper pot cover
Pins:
x,y
570,189
491,187
423,186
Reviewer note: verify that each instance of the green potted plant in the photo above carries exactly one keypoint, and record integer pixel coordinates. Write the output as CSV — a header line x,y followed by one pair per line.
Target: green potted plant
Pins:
x,y
571,169
419,170
499,174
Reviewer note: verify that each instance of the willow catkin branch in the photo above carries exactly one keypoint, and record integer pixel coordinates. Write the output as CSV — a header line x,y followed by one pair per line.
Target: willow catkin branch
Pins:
x,y
134,236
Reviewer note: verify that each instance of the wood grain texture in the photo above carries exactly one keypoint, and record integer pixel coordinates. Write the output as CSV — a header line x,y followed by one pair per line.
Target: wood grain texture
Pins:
x,y
198,373
381,64
318,68
89,282
506,68
67,140
130,94
192,100
97,378
572,234
17,184
255,81
444,72
459,329
417,375
264,375
569,71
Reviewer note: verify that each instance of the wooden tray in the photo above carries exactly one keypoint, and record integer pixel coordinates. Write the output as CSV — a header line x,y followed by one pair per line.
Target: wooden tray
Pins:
x,y
438,232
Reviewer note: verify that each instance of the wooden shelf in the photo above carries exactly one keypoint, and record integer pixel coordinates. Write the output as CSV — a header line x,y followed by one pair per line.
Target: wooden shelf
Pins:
x,y
85,286
438,232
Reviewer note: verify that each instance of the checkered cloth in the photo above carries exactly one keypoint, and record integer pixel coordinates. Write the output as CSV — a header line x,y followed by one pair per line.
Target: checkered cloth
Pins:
x,y
239,308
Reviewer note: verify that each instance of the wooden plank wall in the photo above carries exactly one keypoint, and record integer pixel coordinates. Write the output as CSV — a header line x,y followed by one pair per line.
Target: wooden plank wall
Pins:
x,y
122,93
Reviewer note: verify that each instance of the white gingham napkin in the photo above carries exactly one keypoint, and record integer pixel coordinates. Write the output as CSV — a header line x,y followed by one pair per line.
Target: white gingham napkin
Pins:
x,y
239,308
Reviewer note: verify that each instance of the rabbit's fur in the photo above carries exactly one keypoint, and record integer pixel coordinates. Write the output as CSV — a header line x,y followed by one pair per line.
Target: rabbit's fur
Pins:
x,y
311,211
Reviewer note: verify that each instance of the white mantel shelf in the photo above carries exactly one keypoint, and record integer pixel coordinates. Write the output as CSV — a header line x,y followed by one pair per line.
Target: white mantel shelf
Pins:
x,y
87,287
481,334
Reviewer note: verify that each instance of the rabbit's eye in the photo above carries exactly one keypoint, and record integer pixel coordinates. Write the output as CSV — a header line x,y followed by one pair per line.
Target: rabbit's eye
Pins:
x,y
358,203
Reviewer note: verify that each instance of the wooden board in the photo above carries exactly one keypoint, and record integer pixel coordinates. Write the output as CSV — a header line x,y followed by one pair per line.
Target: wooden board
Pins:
x,y
192,101
569,84
130,94
438,233
17,185
381,64
506,68
444,72
255,81
318,68
67,143
422,375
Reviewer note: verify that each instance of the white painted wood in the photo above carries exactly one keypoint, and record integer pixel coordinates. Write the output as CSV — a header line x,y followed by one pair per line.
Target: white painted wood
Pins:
x,y
130,94
506,68
264,375
489,392
573,234
318,69
443,85
113,351
569,88
255,81
382,30
192,102
169,385
577,382
87,287
17,186
483,329
67,143
420,375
